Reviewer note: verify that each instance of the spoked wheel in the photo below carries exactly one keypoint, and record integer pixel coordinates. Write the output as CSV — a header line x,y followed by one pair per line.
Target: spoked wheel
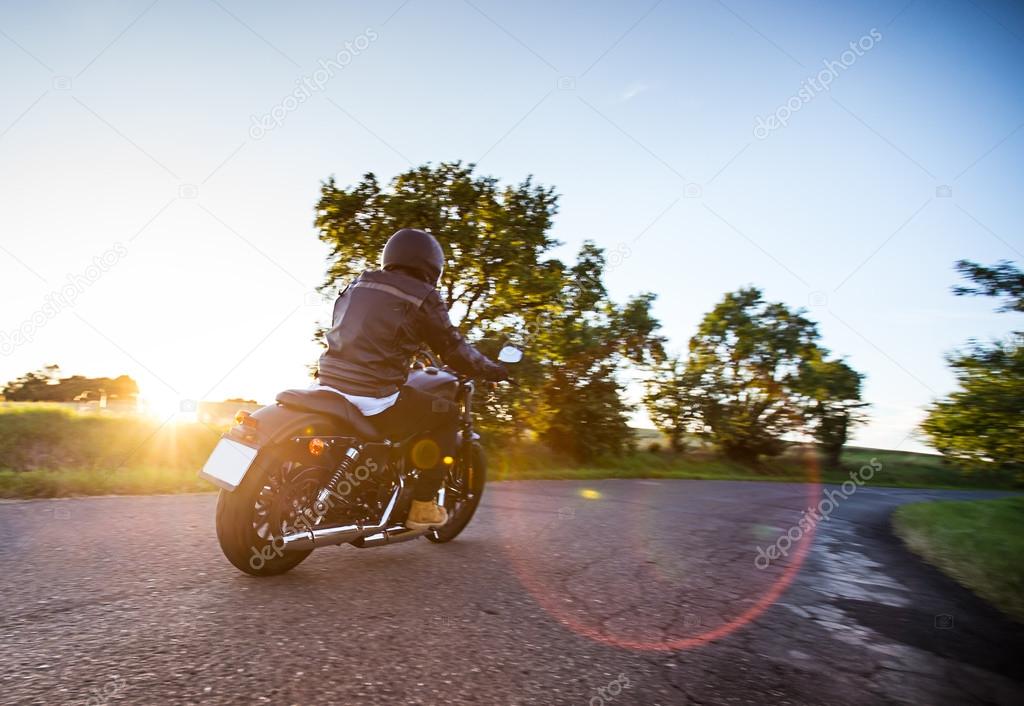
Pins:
x,y
462,489
252,518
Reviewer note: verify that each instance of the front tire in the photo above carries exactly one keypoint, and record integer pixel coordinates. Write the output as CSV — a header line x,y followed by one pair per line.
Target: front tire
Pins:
x,y
464,486
252,518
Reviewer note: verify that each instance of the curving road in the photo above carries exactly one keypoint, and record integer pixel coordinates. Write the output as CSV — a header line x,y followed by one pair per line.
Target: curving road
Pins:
x,y
606,592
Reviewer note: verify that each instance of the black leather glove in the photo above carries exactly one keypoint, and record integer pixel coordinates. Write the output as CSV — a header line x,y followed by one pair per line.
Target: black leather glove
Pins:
x,y
496,372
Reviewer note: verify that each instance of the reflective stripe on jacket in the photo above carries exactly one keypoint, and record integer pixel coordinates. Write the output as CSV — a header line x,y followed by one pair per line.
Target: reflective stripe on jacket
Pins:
x,y
380,321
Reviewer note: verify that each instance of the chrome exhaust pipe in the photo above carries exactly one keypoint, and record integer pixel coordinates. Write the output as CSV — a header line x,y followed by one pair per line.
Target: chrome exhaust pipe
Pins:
x,y
392,535
308,539
321,537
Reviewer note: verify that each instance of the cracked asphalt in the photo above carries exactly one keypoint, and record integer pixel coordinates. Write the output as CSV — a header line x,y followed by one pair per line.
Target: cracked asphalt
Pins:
x,y
559,592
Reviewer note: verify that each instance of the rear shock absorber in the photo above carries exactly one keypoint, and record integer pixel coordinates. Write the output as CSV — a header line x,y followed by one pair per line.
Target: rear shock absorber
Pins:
x,y
348,461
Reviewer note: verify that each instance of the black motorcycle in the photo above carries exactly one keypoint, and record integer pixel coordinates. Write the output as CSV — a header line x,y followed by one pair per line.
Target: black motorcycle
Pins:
x,y
311,471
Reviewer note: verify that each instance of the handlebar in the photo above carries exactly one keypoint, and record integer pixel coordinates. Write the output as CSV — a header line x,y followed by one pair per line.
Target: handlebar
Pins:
x,y
463,377
427,356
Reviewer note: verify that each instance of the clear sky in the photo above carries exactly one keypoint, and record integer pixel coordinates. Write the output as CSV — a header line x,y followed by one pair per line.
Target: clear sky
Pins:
x,y
127,132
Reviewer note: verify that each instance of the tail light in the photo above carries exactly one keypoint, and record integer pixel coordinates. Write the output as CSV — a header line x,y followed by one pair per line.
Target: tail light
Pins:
x,y
317,446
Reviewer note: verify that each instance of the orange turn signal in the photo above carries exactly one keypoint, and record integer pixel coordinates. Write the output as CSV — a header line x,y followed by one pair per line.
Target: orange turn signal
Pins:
x,y
317,446
242,417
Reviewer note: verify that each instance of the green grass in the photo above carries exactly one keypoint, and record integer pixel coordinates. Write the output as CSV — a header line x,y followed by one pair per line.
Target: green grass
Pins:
x,y
979,543
906,469
76,482
48,451
900,469
42,436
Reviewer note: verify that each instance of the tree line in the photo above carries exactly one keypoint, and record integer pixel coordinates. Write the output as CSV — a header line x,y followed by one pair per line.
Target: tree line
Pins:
x,y
46,385
981,424
754,377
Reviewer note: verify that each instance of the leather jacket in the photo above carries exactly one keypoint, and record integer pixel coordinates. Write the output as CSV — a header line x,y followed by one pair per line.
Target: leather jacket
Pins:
x,y
380,321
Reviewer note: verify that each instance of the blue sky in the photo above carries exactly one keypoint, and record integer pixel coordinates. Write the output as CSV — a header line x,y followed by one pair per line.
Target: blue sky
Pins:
x,y
129,122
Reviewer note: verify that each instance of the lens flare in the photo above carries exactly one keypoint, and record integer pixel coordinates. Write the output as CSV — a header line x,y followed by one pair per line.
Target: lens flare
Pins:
x,y
560,606
425,453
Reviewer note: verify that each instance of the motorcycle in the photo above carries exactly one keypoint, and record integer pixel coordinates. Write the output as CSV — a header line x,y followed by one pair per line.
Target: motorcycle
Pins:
x,y
311,471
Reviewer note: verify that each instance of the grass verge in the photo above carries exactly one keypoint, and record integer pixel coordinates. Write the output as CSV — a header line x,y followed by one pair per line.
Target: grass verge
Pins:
x,y
980,543
76,482
50,451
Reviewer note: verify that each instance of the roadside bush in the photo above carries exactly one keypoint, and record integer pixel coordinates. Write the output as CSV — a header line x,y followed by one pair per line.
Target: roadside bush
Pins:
x,y
46,437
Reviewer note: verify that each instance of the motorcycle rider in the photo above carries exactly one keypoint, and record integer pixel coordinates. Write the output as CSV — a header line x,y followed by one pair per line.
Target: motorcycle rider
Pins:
x,y
380,321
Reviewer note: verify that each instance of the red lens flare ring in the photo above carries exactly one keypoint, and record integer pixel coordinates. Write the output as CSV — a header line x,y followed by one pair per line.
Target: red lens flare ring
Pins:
x,y
556,607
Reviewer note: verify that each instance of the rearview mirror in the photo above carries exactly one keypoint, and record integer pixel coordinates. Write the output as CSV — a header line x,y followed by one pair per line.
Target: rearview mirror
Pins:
x,y
510,354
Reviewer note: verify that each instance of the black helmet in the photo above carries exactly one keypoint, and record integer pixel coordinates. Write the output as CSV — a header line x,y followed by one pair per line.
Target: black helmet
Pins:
x,y
415,250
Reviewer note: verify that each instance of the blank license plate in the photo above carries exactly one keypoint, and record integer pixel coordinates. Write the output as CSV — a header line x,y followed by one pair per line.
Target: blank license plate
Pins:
x,y
228,463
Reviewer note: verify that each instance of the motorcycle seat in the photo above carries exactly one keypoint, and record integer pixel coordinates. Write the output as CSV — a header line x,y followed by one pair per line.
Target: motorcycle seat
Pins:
x,y
333,405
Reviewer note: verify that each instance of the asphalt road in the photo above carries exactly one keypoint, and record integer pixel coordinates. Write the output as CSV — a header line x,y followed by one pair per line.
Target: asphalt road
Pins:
x,y
607,592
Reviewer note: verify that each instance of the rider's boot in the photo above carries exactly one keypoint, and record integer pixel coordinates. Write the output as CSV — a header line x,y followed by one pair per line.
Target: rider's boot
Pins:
x,y
425,514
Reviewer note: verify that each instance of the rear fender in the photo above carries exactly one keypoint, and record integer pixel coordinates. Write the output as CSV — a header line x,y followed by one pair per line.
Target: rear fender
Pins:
x,y
275,423
287,432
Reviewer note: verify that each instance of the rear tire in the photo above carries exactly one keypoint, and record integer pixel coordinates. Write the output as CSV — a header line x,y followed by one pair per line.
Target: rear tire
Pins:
x,y
471,475
257,550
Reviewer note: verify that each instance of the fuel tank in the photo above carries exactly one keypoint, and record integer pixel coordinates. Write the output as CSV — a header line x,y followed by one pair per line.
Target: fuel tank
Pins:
x,y
436,382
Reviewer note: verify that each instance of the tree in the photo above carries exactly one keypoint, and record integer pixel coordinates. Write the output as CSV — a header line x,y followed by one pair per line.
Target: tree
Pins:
x,y
45,385
669,403
585,341
34,386
500,284
495,237
1003,279
743,374
498,278
981,425
834,391
754,376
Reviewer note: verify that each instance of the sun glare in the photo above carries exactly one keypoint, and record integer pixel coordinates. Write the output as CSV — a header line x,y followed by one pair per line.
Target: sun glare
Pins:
x,y
168,406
